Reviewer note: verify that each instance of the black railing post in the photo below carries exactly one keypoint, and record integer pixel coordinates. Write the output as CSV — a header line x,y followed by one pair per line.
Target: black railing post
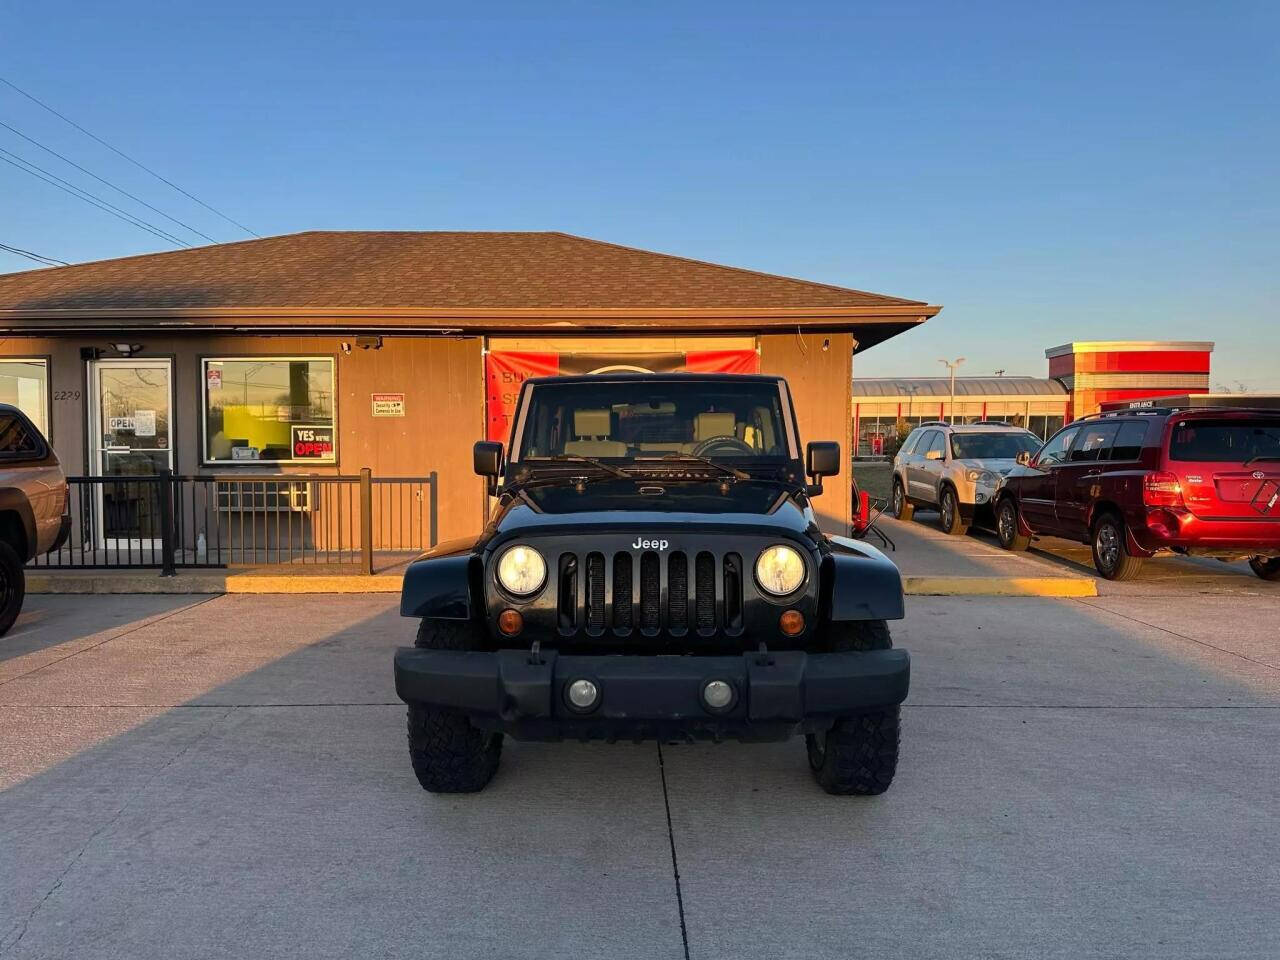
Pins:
x,y
366,521
434,502
167,534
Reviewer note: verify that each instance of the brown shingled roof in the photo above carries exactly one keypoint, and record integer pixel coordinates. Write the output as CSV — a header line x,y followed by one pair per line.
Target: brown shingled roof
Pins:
x,y
427,270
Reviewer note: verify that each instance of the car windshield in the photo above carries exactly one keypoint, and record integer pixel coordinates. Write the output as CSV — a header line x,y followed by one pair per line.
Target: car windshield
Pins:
x,y
1226,441
992,446
646,419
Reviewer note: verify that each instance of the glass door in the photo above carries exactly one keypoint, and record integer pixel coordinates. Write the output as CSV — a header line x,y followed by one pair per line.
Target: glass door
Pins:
x,y
131,403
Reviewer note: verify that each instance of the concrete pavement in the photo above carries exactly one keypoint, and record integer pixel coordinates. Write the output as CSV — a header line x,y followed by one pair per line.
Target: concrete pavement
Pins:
x,y
227,777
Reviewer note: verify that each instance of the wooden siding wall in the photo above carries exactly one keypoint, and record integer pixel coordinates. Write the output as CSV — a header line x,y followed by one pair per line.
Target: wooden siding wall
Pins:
x,y
821,384
442,380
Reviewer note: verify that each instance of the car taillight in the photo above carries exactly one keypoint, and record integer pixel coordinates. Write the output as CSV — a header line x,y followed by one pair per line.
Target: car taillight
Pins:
x,y
1161,490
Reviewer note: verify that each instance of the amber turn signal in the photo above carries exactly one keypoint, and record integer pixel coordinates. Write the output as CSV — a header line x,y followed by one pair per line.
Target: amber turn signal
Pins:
x,y
510,622
791,623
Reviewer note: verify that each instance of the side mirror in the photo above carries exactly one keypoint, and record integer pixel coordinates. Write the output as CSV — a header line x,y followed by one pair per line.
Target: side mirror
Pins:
x,y
933,455
1023,458
486,458
821,459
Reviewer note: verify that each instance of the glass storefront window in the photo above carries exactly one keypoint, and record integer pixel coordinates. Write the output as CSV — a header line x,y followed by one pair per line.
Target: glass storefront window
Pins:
x,y
25,385
269,409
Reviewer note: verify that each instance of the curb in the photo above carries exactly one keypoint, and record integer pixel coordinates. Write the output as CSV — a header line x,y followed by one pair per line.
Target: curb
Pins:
x,y
999,587
218,583
205,583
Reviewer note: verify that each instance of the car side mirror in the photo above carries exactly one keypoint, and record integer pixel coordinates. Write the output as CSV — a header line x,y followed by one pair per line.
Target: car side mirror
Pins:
x,y
821,459
486,458
1023,459
933,455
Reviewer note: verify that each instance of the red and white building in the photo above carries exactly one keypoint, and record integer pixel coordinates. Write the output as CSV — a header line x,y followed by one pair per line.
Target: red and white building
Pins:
x,y
1106,371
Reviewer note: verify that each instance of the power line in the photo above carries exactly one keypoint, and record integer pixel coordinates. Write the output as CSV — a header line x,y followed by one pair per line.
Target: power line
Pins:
x,y
38,258
26,166
136,163
108,183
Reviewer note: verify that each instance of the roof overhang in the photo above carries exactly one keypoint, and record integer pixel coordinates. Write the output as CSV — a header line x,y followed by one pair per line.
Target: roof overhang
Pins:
x,y
872,324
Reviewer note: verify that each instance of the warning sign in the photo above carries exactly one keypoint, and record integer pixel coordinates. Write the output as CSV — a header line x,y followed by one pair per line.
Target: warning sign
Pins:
x,y
388,404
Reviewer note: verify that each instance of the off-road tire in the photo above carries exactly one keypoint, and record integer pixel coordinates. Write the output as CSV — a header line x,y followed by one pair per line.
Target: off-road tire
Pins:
x,y
949,513
13,586
450,755
902,507
1268,568
1110,545
1008,533
858,756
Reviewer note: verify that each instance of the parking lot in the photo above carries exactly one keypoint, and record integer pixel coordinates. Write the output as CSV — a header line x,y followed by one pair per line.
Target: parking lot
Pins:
x,y
227,777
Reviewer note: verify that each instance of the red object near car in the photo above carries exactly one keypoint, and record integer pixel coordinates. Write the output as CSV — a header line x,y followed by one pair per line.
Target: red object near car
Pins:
x,y
1135,484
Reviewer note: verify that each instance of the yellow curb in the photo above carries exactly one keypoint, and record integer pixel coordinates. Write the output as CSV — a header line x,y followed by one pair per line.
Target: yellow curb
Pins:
x,y
214,583
999,587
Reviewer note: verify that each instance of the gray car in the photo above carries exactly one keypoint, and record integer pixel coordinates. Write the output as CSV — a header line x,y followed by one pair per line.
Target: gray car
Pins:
x,y
34,517
955,468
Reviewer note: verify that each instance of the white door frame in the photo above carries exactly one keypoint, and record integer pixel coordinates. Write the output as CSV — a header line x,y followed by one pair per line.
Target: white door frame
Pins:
x,y
97,451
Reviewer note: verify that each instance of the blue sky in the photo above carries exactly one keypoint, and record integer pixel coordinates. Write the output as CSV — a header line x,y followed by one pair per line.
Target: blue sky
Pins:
x,y
1046,172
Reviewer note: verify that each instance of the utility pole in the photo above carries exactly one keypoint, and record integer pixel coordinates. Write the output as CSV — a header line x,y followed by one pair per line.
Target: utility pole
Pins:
x,y
951,366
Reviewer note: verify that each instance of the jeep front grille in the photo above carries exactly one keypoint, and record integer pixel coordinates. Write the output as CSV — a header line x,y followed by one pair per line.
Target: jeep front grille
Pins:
x,y
622,594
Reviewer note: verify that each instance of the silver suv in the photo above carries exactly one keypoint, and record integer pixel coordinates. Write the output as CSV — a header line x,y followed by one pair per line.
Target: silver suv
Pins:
x,y
954,468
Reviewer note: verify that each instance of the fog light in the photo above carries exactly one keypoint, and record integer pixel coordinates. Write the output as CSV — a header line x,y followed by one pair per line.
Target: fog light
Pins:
x,y
510,622
582,694
717,694
791,623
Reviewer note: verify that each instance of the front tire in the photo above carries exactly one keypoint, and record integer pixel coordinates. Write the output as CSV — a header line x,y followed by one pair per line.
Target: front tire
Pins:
x,y
1266,568
858,756
449,755
902,508
1111,554
13,586
1007,530
949,514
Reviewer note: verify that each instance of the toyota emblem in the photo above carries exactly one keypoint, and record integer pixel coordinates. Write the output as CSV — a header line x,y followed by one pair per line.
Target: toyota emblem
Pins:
x,y
1259,475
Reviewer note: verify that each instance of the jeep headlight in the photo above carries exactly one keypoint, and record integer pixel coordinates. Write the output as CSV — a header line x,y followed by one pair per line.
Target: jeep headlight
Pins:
x,y
521,570
780,570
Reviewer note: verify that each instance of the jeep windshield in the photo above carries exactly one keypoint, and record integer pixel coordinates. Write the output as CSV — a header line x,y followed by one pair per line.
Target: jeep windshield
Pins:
x,y
656,422
992,446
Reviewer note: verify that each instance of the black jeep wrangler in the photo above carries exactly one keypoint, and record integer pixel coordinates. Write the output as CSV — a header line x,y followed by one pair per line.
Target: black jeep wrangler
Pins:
x,y
653,569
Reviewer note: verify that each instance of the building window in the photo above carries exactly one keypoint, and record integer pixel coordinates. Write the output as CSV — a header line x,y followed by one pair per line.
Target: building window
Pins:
x,y
269,410
25,385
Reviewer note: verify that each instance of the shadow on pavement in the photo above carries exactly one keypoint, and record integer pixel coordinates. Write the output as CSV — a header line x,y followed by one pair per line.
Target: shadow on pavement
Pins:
x,y
241,787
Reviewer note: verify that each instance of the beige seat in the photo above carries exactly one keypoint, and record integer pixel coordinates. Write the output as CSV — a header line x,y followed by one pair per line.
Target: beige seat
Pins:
x,y
707,425
591,429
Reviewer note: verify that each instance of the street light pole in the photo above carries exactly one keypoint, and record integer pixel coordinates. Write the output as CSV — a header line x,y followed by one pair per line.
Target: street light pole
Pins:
x,y
951,366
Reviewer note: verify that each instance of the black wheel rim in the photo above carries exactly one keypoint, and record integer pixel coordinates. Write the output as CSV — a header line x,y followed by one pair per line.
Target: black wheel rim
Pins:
x,y
5,589
948,510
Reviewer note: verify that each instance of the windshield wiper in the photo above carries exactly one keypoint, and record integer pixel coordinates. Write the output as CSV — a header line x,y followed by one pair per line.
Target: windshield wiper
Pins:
x,y
694,458
576,458
1259,457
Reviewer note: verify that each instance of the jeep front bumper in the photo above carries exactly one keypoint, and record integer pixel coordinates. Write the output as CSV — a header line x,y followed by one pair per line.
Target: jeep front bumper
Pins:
x,y
775,695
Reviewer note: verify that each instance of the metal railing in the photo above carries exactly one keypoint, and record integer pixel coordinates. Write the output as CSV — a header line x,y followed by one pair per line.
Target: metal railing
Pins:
x,y
169,521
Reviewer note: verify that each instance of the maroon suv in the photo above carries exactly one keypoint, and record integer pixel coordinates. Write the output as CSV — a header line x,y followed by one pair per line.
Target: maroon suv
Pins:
x,y
1202,482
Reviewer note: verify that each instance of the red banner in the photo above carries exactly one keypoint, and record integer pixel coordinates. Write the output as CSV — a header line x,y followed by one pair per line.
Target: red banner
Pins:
x,y
505,372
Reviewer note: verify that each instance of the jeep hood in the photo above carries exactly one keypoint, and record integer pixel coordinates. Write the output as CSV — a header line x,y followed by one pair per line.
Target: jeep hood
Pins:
x,y
620,506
